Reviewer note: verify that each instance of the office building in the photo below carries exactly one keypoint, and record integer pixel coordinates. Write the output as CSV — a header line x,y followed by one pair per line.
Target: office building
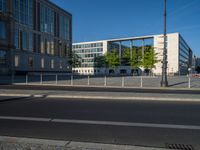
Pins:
x,y
179,54
35,36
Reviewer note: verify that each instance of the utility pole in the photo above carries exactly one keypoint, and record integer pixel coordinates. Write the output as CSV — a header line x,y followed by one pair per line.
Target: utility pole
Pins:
x,y
164,82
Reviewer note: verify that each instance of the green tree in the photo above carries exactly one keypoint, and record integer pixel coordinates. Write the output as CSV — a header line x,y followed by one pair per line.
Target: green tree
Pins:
x,y
149,58
75,60
100,61
112,59
133,57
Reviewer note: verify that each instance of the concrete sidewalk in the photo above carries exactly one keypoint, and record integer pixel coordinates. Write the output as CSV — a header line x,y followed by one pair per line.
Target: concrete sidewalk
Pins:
x,y
101,95
7,143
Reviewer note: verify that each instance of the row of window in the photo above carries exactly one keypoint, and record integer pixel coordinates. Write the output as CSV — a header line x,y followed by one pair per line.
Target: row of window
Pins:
x,y
87,45
91,55
44,44
23,13
23,40
94,50
87,71
42,62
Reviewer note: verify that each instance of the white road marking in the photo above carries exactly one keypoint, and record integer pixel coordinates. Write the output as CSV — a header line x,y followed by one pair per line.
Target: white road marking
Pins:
x,y
110,123
25,118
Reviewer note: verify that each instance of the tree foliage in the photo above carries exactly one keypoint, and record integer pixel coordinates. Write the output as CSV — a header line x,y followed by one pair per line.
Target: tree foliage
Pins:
x,y
75,60
112,59
150,58
100,61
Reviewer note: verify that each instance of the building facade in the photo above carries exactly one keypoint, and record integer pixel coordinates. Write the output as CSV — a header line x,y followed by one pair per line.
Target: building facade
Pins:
x,y
35,36
179,54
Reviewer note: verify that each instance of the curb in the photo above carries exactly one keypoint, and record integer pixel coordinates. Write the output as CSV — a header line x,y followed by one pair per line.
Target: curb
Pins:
x,y
124,98
105,97
70,145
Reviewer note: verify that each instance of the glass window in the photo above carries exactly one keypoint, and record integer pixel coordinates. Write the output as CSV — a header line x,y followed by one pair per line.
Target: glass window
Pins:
x,y
30,61
23,11
61,65
2,57
31,42
3,5
42,45
52,63
2,30
16,61
17,38
65,28
46,19
24,40
42,62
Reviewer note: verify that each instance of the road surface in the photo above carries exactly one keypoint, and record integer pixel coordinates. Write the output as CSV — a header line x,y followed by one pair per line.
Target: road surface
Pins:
x,y
140,123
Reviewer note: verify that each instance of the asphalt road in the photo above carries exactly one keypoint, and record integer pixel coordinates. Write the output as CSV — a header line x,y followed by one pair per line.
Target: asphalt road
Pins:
x,y
106,121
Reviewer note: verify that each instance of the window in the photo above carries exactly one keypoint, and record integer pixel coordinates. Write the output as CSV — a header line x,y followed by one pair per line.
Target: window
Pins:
x,y
46,19
16,38
3,5
30,61
52,63
2,57
23,11
42,45
16,61
42,63
61,65
30,42
64,28
2,30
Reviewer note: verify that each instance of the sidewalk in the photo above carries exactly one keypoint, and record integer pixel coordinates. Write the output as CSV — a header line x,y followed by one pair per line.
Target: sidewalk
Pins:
x,y
100,95
7,143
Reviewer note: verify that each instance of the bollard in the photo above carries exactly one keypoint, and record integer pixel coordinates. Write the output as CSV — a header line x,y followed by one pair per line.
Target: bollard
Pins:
x,y
71,80
56,79
105,81
141,82
122,81
26,79
41,78
88,80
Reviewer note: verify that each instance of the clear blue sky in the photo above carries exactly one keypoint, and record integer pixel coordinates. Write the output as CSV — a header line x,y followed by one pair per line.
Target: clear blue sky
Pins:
x,y
104,19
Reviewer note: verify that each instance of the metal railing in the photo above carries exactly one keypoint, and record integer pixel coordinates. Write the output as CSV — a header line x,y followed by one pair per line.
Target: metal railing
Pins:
x,y
105,81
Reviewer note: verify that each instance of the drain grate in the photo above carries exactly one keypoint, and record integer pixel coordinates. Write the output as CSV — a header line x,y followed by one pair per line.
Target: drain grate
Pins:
x,y
179,146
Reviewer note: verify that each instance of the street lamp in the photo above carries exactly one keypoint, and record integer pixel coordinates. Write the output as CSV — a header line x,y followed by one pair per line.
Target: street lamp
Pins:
x,y
164,82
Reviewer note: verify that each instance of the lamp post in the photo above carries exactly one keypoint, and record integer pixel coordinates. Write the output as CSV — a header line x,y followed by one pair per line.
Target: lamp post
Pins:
x,y
164,82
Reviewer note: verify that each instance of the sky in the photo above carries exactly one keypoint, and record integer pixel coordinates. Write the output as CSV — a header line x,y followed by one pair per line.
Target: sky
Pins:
x,y
106,19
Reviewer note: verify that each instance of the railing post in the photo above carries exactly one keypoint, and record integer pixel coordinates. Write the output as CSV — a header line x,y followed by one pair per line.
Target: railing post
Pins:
x,y
56,79
71,80
189,82
41,78
122,81
105,81
88,80
141,82
26,78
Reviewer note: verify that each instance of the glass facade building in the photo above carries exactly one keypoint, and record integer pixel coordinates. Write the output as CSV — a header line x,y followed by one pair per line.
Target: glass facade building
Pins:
x,y
35,31
178,51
